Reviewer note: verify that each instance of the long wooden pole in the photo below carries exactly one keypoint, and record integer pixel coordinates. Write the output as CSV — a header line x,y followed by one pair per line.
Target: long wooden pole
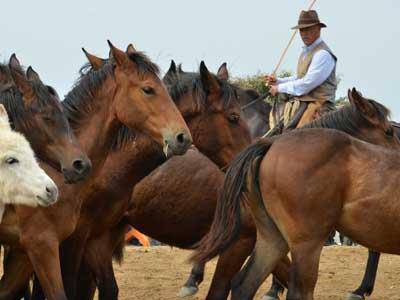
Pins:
x,y
288,45
274,106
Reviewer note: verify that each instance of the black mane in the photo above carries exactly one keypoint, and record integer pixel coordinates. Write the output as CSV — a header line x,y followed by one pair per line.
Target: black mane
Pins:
x,y
188,82
349,119
12,98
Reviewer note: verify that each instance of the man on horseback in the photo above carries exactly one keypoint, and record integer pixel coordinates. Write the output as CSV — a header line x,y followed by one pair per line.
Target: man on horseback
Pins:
x,y
312,91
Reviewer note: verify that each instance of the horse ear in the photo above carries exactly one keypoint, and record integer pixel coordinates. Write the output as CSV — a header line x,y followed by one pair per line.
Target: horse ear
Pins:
x,y
4,121
223,72
119,56
110,55
171,73
32,75
209,81
172,67
360,102
95,62
23,85
130,49
14,62
180,70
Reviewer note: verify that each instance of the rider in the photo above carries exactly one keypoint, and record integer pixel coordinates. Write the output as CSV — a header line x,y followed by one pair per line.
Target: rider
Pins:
x,y
312,91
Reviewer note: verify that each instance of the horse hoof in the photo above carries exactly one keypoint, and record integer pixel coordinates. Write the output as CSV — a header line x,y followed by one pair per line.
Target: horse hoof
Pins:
x,y
351,296
187,291
268,297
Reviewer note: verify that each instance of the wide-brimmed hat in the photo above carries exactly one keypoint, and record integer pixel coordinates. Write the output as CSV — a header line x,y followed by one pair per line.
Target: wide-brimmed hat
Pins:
x,y
308,18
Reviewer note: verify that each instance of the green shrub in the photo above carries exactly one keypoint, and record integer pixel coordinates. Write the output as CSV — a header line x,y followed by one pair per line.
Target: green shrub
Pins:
x,y
257,83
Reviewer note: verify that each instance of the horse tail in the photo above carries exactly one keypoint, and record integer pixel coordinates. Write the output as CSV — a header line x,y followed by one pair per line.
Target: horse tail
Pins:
x,y
119,235
226,224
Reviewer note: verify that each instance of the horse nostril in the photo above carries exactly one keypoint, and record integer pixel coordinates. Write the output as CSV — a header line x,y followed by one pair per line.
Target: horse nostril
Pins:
x,y
49,192
79,165
180,137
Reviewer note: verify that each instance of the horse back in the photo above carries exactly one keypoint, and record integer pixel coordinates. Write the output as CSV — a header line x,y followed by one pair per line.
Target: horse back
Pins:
x,y
301,174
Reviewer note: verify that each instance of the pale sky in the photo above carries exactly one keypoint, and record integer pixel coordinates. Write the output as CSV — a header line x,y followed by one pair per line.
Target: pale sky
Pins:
x,y
248,35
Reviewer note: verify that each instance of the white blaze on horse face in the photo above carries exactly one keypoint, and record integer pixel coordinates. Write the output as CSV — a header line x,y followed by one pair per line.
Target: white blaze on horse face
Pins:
x,y
22,181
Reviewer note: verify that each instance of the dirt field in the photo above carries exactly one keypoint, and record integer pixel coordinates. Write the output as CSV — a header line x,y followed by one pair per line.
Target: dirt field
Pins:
x,y
159,272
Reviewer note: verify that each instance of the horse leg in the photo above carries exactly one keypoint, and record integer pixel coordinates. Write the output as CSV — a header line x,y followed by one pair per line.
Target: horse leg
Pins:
x,y
304,270
43,253
72,251
37,291
368,282
269,250
17,271
86,287
229,263
191,286
98,259
275,290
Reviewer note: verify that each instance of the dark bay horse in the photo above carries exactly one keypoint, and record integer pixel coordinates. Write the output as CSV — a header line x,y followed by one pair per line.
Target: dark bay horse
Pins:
x,y
127,92
253,111
35,111
362,117
207,104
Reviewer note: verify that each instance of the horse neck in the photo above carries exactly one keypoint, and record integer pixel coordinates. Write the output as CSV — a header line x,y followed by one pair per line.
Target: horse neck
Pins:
x,y
139,158
97,131
339,120
125,166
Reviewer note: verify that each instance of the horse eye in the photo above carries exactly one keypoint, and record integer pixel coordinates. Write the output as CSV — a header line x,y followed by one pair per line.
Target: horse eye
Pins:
x,y
148,90
234,118
389,132
12,160
47,119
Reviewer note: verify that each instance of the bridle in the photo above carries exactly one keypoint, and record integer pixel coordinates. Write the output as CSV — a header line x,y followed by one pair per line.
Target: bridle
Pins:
x,y
261,97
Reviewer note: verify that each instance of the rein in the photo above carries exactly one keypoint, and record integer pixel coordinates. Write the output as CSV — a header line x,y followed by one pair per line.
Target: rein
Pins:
x,y
262,97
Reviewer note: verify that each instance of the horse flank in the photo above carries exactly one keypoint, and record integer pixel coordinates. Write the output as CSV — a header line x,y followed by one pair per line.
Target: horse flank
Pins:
x,y
226,225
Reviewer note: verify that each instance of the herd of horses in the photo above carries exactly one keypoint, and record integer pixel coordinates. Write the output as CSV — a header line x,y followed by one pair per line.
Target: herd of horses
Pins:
x,y
128,148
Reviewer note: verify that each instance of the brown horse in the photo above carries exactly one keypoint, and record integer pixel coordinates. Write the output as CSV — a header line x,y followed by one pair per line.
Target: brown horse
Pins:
x,y
253,111
207,102
364,119
160,189
127,92
35,111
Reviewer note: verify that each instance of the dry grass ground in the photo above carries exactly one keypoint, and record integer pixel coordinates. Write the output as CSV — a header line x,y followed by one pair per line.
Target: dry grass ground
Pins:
x,y
159,272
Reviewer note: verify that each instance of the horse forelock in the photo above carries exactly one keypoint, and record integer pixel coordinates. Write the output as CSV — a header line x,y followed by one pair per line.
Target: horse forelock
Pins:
x,y
189,82
144,64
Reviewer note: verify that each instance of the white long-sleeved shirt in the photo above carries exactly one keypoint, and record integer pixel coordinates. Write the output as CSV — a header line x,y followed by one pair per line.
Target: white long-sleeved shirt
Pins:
x,y
321,67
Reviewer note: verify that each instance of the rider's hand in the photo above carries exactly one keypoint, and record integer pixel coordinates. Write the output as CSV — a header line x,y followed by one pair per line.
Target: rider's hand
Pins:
x,y
273,90
270,79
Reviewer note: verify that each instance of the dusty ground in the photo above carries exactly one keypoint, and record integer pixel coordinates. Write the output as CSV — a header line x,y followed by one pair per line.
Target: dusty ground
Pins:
x,y
159,272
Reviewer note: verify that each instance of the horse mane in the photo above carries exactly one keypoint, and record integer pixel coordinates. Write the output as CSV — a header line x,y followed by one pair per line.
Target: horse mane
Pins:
x,y
189,82
349,118
124,137
12,98
78,103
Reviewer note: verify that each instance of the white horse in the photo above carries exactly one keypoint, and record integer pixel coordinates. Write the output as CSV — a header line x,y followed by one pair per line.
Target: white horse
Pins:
x,y
22,181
